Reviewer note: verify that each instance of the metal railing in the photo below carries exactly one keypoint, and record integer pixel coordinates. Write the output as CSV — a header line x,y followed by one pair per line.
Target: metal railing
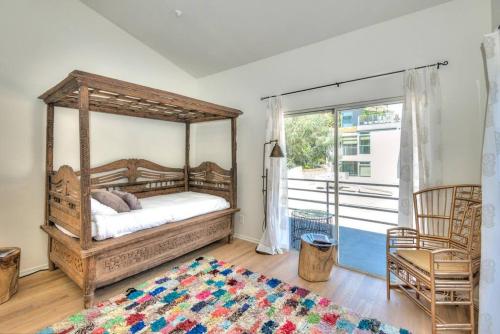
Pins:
x,y
378,119
330,190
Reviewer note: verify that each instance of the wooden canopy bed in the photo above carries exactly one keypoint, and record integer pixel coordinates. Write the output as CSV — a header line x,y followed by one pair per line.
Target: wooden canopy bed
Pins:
x,y
90,263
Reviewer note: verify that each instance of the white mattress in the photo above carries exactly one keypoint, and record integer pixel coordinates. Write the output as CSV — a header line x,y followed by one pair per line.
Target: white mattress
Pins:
x,y
156,211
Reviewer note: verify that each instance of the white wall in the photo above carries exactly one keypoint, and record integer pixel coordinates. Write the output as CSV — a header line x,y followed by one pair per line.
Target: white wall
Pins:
x,y
40,43
452,31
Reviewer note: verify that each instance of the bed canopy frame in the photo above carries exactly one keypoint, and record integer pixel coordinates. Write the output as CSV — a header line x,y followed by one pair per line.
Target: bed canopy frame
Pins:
x,y
91,263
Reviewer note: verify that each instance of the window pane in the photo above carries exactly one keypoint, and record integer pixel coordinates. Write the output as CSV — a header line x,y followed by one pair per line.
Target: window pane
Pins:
x,y
364,143
349,167
350,140
347,119
350,145
365,169
350,149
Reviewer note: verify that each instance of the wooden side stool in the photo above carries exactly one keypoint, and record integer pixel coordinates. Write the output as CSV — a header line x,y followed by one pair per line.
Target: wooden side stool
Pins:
x,y
317,256
9,272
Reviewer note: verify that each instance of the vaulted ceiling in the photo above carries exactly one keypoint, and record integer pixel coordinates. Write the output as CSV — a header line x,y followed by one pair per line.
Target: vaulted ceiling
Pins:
x,y
206,37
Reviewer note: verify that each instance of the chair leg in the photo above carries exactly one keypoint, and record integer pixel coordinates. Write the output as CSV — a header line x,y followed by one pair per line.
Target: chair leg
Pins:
x,y
433,307
471,306
471,311
388,281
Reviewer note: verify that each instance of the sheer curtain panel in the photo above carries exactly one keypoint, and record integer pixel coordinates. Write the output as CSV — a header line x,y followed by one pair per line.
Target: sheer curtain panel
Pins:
x,y
420,160
489,286
275,239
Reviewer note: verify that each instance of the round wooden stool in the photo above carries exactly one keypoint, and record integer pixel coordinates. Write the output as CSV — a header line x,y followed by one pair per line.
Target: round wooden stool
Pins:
x,y
317,256
9,272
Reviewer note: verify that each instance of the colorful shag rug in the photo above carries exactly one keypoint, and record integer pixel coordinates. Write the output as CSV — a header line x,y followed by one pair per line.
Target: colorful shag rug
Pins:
x,y
211,296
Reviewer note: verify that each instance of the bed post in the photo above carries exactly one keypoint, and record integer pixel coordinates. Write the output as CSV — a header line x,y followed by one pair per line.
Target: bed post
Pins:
x,y
85,227
234,168
85,230
49,167
186,164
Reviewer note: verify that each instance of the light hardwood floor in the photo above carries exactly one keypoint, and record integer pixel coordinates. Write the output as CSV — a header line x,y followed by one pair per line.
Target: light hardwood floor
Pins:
x,y
47,297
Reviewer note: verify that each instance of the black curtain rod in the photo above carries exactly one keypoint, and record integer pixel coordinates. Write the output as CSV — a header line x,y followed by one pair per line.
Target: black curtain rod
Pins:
x,y
438,65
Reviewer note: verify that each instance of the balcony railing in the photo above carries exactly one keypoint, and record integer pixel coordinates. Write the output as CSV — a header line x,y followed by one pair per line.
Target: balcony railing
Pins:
x,y
378,119
376,191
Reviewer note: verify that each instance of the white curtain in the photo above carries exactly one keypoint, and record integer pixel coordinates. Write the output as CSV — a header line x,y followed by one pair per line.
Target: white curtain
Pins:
x,y
489,286
275,239
420,159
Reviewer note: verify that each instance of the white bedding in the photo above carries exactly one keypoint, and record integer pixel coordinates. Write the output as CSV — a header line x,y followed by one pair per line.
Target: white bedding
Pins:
x,y
156,210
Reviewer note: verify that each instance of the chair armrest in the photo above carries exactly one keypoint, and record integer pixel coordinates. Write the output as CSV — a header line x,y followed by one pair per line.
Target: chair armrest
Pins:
x,y
452,252
402,237
449,261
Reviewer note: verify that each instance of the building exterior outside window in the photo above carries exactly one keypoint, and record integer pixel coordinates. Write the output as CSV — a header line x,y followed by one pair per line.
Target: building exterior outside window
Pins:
x,y
368,137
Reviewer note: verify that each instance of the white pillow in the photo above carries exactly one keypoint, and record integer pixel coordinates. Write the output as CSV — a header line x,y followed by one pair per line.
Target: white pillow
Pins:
x,y
97,208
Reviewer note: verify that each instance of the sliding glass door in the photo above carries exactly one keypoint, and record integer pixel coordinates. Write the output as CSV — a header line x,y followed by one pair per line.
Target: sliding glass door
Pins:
x,y
343,178
368,183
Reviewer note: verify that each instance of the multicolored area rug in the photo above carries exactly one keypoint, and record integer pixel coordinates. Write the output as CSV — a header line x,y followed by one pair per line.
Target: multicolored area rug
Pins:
x,y
211,296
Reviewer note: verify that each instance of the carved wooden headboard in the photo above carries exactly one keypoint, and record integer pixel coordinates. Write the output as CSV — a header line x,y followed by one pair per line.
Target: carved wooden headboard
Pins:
x,y
145,178
141,177
210,178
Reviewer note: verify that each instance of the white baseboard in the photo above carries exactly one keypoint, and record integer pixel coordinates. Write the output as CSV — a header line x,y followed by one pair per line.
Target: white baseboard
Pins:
x,y
246,238
28,271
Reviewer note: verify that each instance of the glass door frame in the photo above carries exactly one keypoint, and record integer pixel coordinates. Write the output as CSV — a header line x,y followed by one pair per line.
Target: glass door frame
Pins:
x,y
335,110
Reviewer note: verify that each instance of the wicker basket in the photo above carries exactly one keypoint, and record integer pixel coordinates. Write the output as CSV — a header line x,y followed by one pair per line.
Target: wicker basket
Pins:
x,y
309,221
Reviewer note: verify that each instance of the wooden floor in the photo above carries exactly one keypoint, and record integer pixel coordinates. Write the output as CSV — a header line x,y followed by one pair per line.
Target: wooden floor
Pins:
x,y
47,297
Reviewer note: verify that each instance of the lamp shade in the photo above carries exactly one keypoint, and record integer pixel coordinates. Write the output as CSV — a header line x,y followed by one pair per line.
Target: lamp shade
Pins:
x,y
276,152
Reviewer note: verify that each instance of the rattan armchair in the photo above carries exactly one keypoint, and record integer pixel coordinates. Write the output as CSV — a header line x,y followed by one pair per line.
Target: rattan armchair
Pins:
x,y
437,263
